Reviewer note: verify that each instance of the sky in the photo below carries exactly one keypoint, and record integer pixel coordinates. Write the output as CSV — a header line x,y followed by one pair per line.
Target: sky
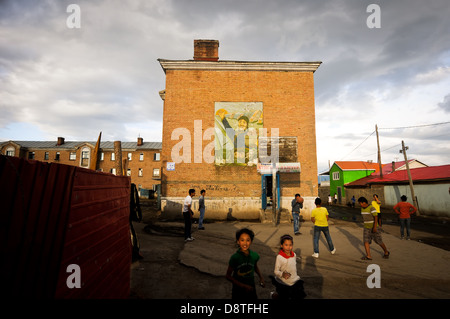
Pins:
x,y
61,78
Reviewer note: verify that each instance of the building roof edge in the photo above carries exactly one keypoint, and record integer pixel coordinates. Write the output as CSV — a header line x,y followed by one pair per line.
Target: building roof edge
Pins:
x,y
226,65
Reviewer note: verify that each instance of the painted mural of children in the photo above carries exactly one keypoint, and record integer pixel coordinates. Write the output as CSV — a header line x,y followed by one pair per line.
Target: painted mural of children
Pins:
x,y
242,267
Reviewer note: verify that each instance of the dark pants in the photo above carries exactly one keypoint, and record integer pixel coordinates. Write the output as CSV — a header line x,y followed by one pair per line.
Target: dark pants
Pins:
x,y
242,294
187,225
285,292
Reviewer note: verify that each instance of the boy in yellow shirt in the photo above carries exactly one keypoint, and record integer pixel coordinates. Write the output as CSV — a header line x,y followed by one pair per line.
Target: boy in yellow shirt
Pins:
x,y
319,216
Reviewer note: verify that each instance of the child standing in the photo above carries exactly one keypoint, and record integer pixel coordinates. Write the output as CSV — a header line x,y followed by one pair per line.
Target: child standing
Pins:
x,y
242,267
377,203
287,282
319,216
404,210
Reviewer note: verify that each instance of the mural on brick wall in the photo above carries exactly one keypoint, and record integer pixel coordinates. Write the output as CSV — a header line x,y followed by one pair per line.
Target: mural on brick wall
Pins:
x,y
237,127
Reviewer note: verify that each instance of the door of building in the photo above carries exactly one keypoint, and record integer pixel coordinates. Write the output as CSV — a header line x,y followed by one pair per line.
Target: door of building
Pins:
x,y
267,190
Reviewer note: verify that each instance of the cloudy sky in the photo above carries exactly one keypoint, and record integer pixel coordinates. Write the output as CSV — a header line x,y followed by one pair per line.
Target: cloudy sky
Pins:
x,y
104,76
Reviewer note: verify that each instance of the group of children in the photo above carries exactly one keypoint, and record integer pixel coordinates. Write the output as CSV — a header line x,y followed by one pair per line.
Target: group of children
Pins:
x,y
243,263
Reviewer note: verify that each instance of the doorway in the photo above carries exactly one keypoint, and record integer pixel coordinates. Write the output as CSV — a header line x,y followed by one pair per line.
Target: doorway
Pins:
x,y
267,190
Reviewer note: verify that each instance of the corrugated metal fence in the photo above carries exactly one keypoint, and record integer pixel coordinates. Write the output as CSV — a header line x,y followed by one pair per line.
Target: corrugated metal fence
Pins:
x,y
53,216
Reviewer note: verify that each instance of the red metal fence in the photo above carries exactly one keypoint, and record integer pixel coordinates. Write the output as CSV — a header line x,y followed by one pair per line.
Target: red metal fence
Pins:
x,y
53,216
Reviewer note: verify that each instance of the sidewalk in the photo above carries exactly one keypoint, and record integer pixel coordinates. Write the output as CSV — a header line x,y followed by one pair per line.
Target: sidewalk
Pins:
x,y
172,269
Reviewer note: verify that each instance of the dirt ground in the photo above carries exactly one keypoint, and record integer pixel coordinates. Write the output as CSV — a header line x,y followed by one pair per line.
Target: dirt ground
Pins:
x,y
166,272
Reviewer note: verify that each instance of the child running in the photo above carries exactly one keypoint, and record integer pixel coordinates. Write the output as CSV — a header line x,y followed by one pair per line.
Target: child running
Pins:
x,y
319,216
242,267
288,284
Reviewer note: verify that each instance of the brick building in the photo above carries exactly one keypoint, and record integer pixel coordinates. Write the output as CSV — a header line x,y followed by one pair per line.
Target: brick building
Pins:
x,y
143,158
223,121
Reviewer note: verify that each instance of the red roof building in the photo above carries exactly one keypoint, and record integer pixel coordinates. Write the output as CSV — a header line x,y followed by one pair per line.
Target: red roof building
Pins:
x,y
431,188
424,174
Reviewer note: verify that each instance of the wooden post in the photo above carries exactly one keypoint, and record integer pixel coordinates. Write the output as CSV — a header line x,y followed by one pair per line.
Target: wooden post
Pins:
x,y
411,186
94,158
274,194
118,157
379,153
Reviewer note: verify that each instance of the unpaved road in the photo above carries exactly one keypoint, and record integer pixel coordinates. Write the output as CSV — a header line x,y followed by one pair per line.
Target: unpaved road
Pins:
x,y
172,269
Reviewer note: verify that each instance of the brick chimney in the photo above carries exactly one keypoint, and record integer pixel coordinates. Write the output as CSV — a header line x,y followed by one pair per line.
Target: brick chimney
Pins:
x,y
140,141
60,141
206,50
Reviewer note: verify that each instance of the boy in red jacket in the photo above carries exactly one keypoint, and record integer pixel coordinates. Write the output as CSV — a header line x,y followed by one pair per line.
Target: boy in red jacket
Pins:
x,y
405,210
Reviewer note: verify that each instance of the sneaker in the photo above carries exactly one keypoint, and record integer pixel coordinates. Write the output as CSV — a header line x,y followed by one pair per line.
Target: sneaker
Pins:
x,y
333,251
407,238
315,255
201,228
297,233
191,238
401,238
188,239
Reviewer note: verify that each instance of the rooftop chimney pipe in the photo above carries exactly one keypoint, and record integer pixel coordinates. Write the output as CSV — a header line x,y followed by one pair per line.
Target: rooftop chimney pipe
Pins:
x,y
206,50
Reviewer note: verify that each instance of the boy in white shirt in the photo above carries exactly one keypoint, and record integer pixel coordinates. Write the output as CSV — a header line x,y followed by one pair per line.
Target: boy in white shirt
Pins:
x,y
188,214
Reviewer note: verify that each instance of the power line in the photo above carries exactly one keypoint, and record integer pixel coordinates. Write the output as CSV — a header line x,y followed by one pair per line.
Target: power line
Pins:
x,y
386,149
414,126
359,145
394,128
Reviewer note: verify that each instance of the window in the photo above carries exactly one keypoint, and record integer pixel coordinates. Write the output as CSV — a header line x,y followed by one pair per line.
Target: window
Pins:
x,y
156,172
129,156
141,172
336,176
31,155
156,156
46,156
113,170
129,172
10,151
113,156
72,156
102,156
85,153
57,156
141,156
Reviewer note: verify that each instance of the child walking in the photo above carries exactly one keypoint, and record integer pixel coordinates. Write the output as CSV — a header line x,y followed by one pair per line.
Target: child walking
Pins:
x,y
242,267
288,284
370,218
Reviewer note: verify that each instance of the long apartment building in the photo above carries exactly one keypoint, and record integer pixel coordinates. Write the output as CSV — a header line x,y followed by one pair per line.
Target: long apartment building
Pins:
x,y
143,158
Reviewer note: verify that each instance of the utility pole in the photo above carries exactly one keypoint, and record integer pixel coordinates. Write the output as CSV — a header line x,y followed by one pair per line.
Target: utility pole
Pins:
x,y
379,153
403,150
274,194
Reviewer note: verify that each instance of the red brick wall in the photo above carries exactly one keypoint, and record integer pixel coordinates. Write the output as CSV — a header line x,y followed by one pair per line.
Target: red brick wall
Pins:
x,y
288,104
